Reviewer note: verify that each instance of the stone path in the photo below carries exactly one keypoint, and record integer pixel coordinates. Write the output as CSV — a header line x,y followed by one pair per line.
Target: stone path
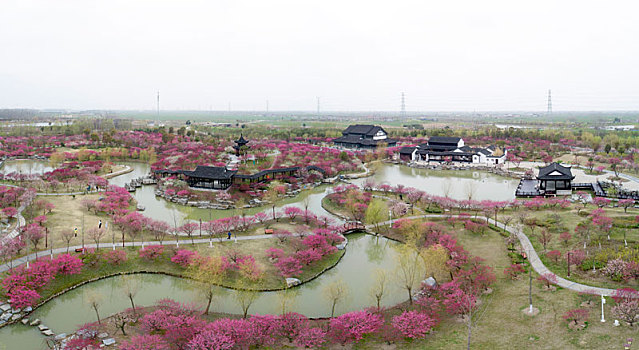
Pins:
x,y
109,245
532,255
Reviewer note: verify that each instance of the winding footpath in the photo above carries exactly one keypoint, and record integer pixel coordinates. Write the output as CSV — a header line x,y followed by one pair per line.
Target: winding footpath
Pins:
x,y
183,242
531,253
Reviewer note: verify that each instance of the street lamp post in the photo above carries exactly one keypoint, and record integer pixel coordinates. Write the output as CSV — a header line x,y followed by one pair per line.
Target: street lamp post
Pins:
x,y
530,309
603,301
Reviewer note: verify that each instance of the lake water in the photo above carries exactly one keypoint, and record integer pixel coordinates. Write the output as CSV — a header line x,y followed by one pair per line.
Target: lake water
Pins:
x,y
363,256
26,166
160,209
479,185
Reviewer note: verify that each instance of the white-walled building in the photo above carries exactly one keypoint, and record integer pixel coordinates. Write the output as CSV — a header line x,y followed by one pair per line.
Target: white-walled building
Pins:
x,y
451,149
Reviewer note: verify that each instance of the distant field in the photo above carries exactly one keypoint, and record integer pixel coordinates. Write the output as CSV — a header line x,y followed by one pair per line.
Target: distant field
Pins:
x,y
295,118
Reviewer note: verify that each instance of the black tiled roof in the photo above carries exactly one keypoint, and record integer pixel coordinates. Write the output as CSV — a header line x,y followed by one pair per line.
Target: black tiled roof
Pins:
x,y
210,172
444,140
355,139
359,129
406,150
566,173
241,140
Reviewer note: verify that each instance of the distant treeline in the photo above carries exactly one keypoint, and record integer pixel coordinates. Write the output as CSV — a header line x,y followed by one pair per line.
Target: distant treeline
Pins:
x,y
18,113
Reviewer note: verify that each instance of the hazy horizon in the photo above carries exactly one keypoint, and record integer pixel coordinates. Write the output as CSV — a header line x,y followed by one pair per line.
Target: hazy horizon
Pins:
x,y
357,56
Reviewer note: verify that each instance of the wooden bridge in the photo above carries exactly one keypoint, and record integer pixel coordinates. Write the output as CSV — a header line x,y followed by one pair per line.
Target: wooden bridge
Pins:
x,y
352,226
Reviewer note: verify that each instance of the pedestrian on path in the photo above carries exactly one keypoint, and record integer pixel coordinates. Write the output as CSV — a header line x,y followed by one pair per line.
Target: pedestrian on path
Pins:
x,y
75,232
100,224
229,235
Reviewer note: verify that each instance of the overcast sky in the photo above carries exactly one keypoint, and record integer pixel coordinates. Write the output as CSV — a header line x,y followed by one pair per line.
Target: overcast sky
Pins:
x,y
355,55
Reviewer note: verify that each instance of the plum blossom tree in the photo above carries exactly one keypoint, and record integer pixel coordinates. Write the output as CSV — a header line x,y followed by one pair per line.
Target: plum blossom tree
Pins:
x,y
353,326
22,297
310,338
151,252
34,233
68,264
210,339
413,324
627,308
115,257
184,257
148,342
293,212
576,316
189,229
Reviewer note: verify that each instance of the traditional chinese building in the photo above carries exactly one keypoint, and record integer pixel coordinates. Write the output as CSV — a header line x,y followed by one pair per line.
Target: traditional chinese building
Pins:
x,y
555,179
364,137
211,177
240,145
451,149
221,178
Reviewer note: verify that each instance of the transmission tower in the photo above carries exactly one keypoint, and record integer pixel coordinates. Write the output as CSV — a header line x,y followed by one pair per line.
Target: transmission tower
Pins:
x,y
549,103
318,106
402,112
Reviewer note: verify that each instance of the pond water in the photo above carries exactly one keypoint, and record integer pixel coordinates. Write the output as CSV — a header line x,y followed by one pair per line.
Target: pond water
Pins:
x,y
25,166
363,256
479,185
160,209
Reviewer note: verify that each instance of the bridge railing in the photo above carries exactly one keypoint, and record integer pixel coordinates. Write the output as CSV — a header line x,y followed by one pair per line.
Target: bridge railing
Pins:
x,y
351,226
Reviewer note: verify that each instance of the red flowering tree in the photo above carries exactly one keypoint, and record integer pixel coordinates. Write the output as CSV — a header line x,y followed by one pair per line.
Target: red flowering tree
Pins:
x,y
184,257
577,316
146,342
115,257
151,252
68,264
413,324
353,326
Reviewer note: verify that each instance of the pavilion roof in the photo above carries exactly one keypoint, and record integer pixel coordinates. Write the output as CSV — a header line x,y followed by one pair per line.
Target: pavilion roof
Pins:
x,y
210,172
555,171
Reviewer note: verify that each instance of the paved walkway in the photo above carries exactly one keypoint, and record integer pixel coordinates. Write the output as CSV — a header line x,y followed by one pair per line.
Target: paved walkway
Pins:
x,y
109,245
532,255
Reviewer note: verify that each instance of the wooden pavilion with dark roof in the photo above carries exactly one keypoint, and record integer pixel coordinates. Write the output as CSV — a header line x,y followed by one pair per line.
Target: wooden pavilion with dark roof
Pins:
x,y
555,179
240,144
211,177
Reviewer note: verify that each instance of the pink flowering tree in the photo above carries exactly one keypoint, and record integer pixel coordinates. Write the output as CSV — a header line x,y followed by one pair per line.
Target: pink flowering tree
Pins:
x,y
184,257
68,264
146,342
353,326
151,252
413,324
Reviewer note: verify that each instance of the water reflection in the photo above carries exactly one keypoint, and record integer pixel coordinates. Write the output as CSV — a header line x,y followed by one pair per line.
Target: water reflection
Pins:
x,y
453,184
